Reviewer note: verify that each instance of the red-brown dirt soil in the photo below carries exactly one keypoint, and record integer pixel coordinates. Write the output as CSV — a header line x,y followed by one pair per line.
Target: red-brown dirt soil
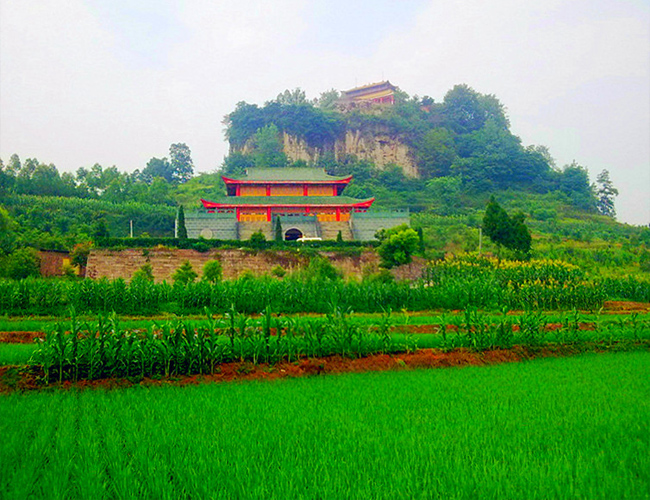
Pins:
x,y
20,337
29,337
624,306
609,307
17,378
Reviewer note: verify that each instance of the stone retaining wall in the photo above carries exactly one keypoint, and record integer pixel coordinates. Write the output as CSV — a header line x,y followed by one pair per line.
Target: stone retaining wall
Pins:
x,y
164,261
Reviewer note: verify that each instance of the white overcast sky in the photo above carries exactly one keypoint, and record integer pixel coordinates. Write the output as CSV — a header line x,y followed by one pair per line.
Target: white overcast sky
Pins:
x,y
116,82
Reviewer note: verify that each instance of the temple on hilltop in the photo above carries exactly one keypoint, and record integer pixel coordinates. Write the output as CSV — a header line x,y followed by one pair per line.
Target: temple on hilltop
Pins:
x,y
307,201
376,93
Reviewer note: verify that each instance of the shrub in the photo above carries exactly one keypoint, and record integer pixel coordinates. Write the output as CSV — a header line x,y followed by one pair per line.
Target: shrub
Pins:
x,y
212,271
145,273
258,240
398,244
278,271
22,263
184,274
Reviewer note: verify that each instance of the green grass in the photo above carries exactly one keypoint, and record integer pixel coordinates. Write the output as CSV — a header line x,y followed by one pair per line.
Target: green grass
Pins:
x,y
32,324
16,354
552,428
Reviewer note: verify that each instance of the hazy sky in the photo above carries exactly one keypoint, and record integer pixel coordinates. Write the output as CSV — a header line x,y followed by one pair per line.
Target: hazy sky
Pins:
x,y
116,82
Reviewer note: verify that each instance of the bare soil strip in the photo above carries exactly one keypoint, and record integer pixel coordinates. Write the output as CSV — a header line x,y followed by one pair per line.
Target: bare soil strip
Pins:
x,y
23,378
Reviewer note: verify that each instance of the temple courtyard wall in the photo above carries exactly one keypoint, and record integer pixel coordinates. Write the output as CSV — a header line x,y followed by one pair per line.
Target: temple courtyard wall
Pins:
x,y
123,264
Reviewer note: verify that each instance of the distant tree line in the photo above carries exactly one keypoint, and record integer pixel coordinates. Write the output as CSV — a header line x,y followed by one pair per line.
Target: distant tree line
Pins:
x,y
153,184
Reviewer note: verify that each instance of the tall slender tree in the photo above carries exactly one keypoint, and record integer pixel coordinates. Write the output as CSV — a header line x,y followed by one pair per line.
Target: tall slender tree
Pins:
x,y
278,229
182,230
605,194
180,159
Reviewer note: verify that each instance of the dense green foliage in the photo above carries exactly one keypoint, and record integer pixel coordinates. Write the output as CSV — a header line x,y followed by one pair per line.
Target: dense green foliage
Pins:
x,y
466,135
503,230
551,428
59,223
397,245
212,271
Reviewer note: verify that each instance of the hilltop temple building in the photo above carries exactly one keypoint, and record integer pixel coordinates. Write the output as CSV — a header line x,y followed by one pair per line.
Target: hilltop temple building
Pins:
x,y
374,93
307,201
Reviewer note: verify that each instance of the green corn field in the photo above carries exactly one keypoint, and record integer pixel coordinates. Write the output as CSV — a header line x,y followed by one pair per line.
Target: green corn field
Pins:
x,y
451,284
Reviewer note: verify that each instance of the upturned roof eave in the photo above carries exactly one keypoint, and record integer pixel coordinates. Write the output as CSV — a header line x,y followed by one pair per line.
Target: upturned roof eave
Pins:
x,y
229,180
361,204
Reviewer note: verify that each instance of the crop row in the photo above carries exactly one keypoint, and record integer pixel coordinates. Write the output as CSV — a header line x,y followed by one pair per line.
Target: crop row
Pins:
x,y
83,351
75,350
252,295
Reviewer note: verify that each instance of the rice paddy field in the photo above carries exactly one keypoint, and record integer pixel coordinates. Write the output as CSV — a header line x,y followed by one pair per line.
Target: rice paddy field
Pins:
x,y
550,428
143,390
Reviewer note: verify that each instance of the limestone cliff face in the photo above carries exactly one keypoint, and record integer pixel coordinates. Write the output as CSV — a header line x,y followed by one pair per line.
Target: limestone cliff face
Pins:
x,y
380,148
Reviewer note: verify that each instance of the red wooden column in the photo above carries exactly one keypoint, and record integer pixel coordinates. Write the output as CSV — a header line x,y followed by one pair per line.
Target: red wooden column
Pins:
x,y
237,209
333,189
305,190
238,190
268,190
268,214
338,214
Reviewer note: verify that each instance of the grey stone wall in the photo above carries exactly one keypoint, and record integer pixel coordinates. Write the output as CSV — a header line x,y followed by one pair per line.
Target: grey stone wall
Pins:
x,y
364,226
211,226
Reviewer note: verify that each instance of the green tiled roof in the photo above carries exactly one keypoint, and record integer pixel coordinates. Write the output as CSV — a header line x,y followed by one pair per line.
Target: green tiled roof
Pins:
x,y
288,174
288,200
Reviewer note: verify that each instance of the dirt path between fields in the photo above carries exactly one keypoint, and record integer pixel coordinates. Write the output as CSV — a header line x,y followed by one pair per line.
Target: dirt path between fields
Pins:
x,y
22,378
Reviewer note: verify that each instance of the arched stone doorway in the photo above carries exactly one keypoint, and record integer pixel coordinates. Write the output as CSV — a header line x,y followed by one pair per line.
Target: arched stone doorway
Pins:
x,y
292,234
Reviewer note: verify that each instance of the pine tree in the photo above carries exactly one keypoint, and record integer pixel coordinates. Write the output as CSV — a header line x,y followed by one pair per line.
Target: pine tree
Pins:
x,y
278,229
496,223
606,193
510,232
182,230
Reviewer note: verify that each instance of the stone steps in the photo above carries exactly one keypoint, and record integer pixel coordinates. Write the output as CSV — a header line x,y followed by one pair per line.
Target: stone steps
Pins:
x,y
330,230
247,228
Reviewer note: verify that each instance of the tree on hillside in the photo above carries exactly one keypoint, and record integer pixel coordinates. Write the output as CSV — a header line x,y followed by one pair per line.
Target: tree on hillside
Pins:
x,y
436,153
574,182
100,231
520,238
496,223
505,231
295,96
268,151
14,165
160,192
462,109
180,161
328,99
605,194
157,167
7,234
494,110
